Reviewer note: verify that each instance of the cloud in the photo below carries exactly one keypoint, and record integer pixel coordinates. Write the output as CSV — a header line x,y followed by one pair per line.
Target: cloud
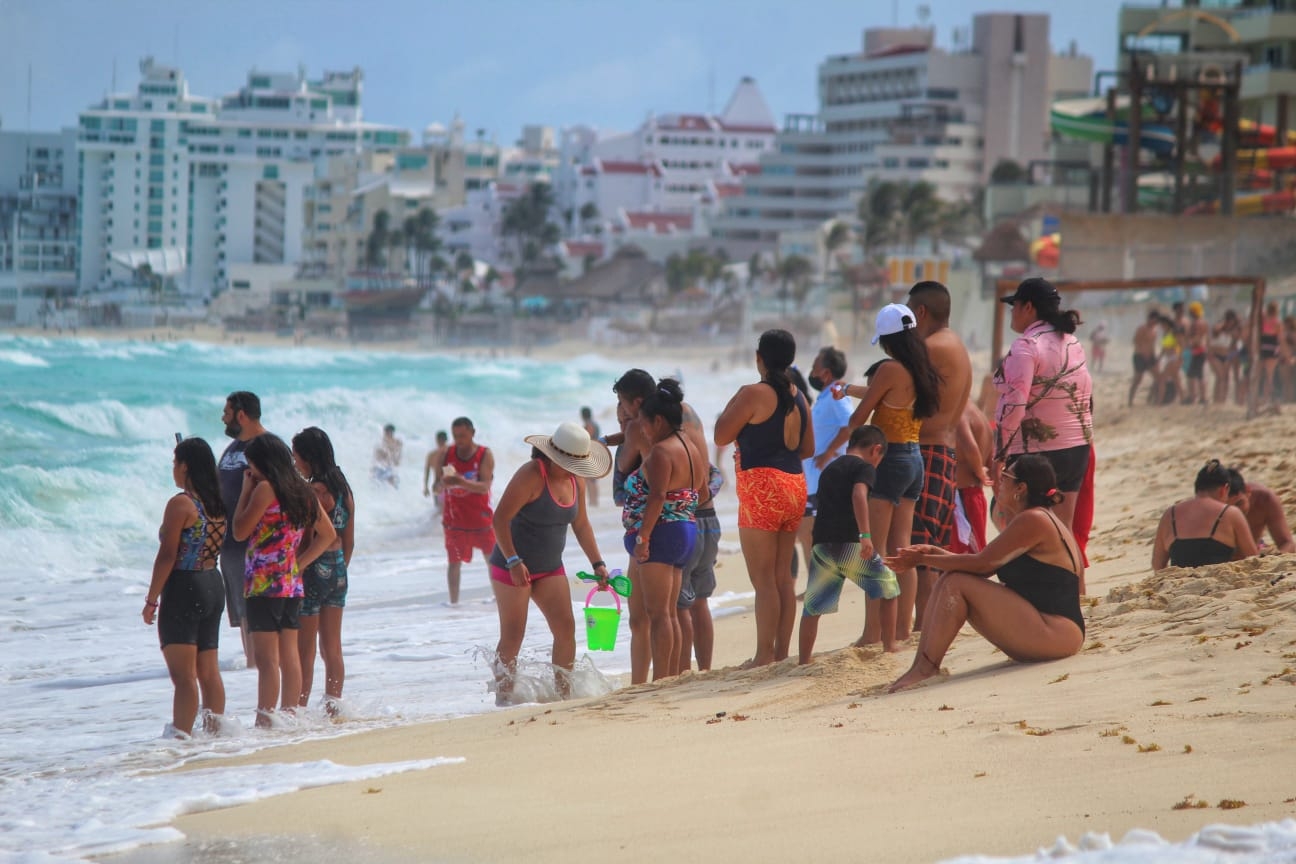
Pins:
x,y
607,86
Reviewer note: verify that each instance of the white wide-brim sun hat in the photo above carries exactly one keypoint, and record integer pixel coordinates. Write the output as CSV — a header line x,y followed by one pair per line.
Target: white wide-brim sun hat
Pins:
x,y
570,447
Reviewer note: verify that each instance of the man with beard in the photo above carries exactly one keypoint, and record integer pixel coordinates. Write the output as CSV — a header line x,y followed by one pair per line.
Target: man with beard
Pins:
x,y
242,419
828,416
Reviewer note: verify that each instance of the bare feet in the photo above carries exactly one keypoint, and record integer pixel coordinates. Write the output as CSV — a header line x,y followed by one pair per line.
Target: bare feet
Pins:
x,y
923,668
860,643
755,662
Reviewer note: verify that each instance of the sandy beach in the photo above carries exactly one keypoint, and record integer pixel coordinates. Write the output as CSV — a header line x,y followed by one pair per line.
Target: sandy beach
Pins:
x,y
1176,715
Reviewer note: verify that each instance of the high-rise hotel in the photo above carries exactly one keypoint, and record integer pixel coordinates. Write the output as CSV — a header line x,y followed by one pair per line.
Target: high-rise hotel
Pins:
x,y
189,185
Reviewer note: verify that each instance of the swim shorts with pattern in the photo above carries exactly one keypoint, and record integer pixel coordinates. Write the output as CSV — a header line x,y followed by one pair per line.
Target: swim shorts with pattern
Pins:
x,y
933,521
770,499
831,564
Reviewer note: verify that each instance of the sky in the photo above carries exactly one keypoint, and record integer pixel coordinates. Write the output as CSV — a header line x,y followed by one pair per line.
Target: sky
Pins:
x,y
499,63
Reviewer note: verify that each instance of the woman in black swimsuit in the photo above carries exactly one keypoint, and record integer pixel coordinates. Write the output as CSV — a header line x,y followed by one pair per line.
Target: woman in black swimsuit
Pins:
x,y
1034,615
1204,529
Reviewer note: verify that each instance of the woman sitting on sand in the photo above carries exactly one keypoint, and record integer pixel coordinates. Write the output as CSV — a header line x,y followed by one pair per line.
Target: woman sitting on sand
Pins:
x,y
1035,614
190,589
542,498
1204,529
660,518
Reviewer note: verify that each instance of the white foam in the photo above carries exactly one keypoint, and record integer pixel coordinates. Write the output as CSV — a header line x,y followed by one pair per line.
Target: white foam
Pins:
x,y
1266,843
22,358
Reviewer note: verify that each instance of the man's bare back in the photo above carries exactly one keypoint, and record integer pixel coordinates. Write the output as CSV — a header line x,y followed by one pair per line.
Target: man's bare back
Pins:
x,y
971,468
951,360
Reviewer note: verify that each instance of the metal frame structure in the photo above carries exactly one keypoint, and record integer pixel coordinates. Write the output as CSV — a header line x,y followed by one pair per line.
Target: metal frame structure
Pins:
x,y
1004,287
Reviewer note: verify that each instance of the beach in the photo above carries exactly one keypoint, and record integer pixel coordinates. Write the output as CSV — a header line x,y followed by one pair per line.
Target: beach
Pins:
x,y
1176,715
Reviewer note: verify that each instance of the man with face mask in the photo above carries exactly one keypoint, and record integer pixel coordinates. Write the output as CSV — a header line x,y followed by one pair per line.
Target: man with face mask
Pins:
x,y
242,419
828,416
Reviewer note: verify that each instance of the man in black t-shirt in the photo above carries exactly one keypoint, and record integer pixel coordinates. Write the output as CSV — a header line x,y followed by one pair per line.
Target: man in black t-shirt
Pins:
x,y
242,419
843,547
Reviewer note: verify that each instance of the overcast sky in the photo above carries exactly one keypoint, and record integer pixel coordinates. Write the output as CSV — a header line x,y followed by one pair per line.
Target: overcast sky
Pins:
x,y
499,63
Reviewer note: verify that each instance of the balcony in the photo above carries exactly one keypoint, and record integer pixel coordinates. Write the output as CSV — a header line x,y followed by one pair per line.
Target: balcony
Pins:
x,y
1264,25
1261,81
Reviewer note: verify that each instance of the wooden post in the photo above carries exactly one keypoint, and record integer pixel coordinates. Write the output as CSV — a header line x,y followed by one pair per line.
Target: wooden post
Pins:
x,y
1181,144
1109,154
1257,312
1228,160
997,332
1134,131
1280,139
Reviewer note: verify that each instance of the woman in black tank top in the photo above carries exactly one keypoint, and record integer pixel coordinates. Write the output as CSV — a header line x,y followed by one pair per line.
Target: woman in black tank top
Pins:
x,y
1204,529
1033,615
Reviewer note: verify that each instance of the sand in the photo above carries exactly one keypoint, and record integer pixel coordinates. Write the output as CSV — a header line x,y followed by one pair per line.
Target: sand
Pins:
x,y
1180,703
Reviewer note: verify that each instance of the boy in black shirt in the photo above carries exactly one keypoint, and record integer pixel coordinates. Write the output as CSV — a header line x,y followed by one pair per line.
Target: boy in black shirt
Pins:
x,y
843,547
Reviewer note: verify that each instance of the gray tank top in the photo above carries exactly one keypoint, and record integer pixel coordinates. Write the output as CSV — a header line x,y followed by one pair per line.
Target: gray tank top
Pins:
x,y
540,530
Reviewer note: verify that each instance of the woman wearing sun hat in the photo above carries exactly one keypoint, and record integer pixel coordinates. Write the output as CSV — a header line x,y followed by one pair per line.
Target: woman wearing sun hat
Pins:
x,y
1045,392
544,496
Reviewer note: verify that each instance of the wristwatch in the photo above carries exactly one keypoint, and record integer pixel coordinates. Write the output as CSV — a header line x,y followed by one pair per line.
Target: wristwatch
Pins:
x,y
639,540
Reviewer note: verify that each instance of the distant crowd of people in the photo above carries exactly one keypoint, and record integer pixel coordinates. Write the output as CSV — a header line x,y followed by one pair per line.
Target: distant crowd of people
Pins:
x,y
1174,351
887,492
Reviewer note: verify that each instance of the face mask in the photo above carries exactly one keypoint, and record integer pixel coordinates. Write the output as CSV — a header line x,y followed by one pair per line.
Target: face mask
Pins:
x,y
815,384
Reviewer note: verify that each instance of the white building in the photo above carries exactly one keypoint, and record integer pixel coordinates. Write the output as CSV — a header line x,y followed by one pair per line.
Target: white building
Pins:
x,y
903,109
224,182
37,221
666,163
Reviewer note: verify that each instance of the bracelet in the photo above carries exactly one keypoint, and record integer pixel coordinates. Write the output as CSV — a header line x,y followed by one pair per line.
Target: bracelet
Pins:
x,y
512,561
598,564
602,439
866,536
151,605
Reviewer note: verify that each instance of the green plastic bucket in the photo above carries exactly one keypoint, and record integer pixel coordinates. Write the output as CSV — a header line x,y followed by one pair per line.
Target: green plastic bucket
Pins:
x,y
601,622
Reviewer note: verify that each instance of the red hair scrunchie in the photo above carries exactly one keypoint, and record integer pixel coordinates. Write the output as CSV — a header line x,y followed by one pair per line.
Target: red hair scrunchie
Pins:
x,y
1050,493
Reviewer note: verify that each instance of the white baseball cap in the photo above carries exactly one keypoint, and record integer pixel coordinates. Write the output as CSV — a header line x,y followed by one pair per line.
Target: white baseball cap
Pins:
x,y
893,318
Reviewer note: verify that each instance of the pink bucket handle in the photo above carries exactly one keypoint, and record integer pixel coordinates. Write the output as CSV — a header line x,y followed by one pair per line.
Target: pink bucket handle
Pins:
x,y
596,589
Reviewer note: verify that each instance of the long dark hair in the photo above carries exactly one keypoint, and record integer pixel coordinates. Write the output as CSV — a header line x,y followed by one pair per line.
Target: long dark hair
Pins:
x,y
910,352
196,455
271,456
312,444
777,350
666,401
1048,305
1040,479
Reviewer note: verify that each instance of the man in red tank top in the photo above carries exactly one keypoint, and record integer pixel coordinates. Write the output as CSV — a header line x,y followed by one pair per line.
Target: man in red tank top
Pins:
x,y
465,472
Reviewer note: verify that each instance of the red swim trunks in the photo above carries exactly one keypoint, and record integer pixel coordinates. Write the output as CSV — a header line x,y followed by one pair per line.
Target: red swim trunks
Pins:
x,y
770,499
460,542
975,510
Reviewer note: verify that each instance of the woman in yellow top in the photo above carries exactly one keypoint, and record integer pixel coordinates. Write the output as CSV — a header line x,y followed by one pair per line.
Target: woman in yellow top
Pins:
x,y
904,389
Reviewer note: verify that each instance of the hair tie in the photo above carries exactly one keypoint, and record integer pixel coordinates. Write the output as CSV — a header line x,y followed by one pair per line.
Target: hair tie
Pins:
x,y
1050,493
663,391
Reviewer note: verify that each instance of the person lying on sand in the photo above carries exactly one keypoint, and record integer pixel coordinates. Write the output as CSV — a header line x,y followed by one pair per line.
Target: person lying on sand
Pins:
x,y
1034,615
1264,512
1204,529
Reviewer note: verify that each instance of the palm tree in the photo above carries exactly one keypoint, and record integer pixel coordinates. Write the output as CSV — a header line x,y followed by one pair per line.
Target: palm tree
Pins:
x,y
794,271
463,263
378,240
838,235
426,241
879,209
921,209
588,213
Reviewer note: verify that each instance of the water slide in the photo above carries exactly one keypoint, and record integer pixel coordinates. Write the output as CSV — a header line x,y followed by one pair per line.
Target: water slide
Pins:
x,y
1086,120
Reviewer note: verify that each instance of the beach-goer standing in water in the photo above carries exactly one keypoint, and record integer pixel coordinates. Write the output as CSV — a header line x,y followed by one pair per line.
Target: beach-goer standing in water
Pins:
x,y
903,391
1204,529
465,472
387,457
1034,615
275,507
324,580
187,593
435,458
1045,392
660,518
771,424
543,498
242,419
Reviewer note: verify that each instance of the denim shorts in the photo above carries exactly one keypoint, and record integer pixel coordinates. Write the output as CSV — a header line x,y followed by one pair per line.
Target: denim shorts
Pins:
x,y
899,474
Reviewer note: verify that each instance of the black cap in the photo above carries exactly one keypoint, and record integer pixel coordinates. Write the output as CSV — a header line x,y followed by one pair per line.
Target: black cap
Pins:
x,y
1036,291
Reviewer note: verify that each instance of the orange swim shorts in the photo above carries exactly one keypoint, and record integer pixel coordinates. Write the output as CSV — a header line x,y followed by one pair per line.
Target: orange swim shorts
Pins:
x,y
770,499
